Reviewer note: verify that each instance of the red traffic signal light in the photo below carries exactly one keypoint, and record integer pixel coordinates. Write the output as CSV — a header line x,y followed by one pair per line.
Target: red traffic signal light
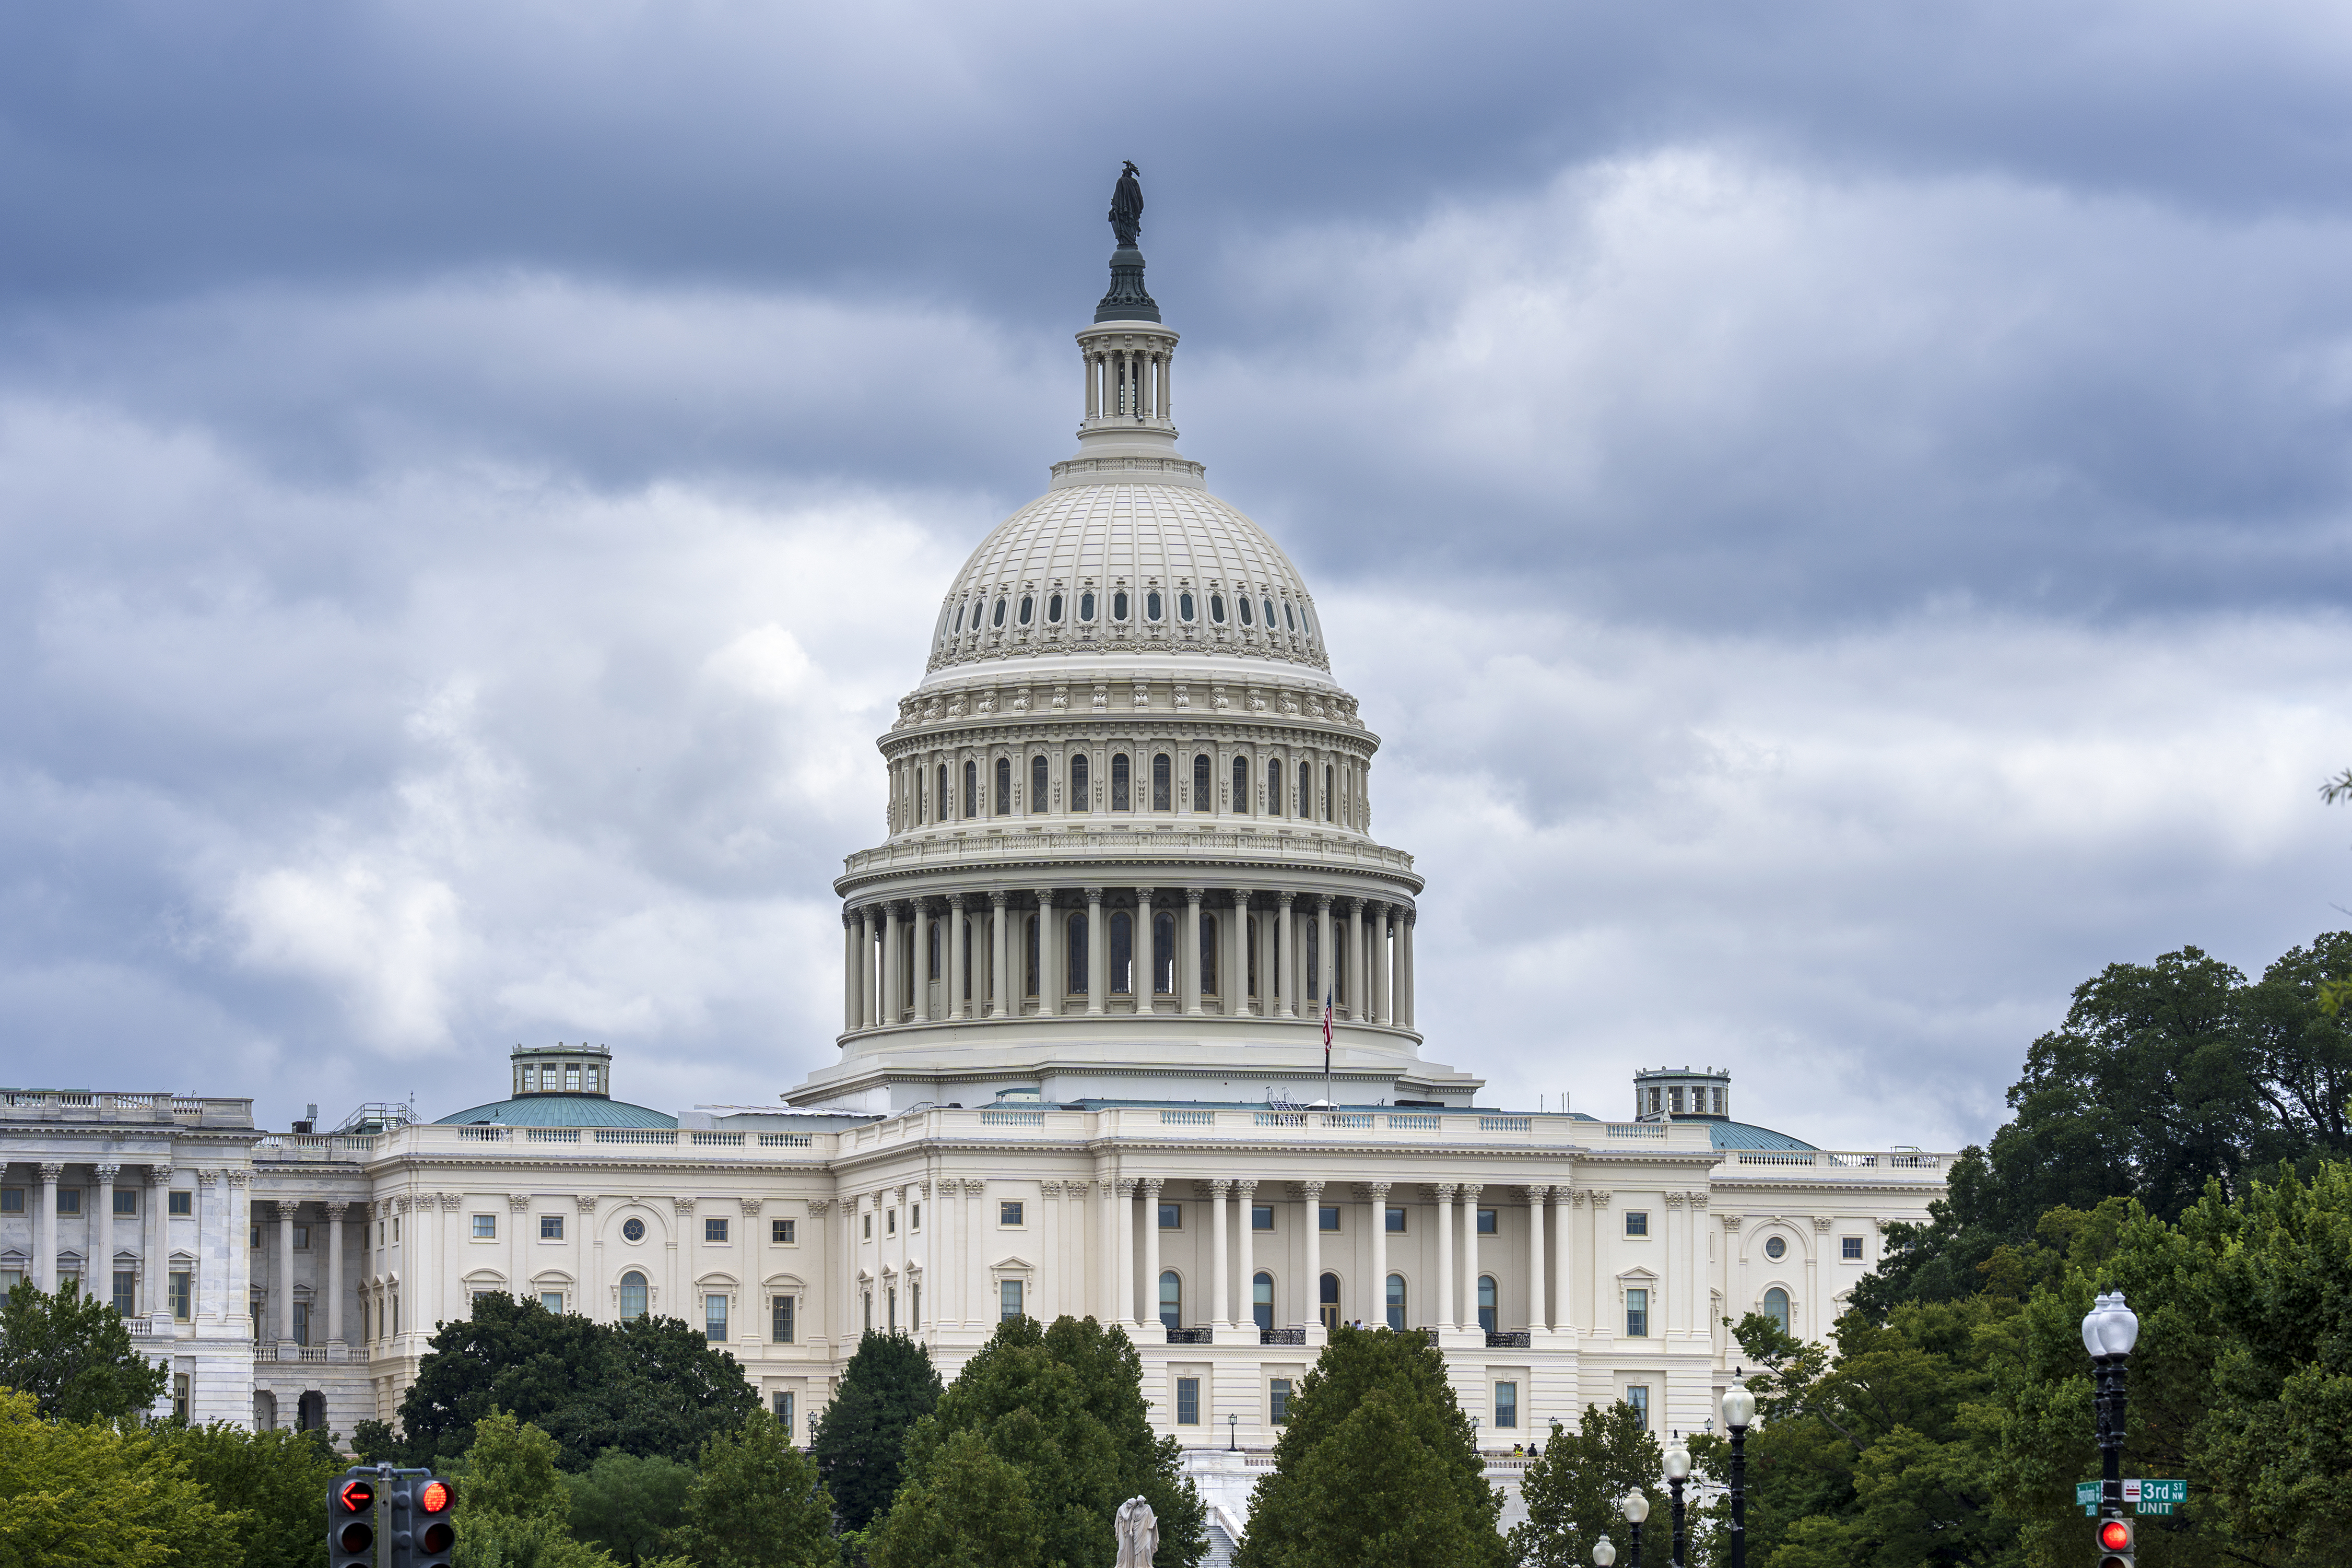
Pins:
x,y
351,1522
2115,1535
436,1497
355,1496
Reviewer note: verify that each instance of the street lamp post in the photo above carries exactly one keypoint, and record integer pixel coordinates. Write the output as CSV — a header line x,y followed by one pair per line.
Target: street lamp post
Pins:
x,y
1603,1553
1738,1414
1677,1461
1636,1509
1232,1431
2110,1328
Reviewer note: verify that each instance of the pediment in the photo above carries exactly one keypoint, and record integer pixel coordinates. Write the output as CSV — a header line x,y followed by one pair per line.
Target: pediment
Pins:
x,y
551,1277
12,1258
1016,1265
183,1260
715,1277
774,1281
483,1279
126,1259
1638,1276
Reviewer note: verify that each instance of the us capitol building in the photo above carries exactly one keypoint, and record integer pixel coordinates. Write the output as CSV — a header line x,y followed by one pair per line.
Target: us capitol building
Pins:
x,y
1129,872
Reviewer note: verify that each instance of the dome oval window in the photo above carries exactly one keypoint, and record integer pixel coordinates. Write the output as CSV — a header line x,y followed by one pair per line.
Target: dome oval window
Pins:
x,y
1217,607
1776,1248
633,1230
1000,613
1184,606
1119,605
1289,618
958,625
1054,611
1087,605
1151,605
1028,609
1242,604
1269,613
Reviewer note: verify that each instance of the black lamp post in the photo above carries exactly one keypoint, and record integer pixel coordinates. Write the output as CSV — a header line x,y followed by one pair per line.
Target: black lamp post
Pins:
x,y
1676,1462
2110,1328
1233,1432
1636,1509
1738,1414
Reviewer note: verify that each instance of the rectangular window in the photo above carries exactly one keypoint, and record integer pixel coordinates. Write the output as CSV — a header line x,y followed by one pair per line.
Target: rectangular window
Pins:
x,y
1327,1217
69,1200
254,1231
396,1230
914,1217
714,1319
714,1230
551,1228
1638,1397
1396,1220
1172,1217
1851,1246
571,1079
552,1301
1637,1314
126,1284
1261,1217
1507,1404
302,1238
126,1200
1008,1296
890,1223
486,1227
9,1280
915,1305
301,1323
783,1232
782,1403
11,1200
1278,1401
779,1318
1187,1402
182,1203
180,1281
1487,1222
180,1396
869,1228
1008,1214
1637,1223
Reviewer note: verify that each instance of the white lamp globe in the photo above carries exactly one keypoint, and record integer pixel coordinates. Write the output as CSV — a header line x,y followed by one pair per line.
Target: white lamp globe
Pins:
x,y
1603,1553
1738,1408
1677,1461
2118,1326
1637,1508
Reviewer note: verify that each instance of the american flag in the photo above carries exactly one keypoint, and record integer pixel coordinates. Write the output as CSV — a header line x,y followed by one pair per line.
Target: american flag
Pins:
x,y
1326,1035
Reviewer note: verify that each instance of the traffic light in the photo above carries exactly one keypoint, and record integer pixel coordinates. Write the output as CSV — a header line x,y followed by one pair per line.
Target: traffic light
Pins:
x,y
350,1521
2115,1537
421,1534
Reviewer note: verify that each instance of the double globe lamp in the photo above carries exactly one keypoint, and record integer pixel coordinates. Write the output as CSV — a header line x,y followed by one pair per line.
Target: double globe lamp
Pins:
x,y
2110,1330
1739,1415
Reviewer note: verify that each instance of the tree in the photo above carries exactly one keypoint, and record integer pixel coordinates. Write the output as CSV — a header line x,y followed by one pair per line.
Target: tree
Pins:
x,y
511,1509
968,1509
757,1502
274,1478
1578,1480
73,1355
629,1504
1298,1512
86,1495
860,1445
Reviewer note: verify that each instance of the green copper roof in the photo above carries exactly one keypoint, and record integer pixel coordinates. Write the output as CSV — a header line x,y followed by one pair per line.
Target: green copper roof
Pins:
x,y
560,1111
1741,1135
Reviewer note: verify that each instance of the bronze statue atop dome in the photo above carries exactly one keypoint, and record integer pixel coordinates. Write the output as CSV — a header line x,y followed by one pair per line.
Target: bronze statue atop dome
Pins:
x,y
1128,300
1127,208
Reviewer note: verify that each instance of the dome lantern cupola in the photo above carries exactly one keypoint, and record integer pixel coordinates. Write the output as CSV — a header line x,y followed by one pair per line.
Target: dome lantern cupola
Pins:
x,y
560,1069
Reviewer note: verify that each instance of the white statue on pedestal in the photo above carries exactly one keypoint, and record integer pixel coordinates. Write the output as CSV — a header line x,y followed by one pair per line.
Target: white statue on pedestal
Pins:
x,y
1138,1530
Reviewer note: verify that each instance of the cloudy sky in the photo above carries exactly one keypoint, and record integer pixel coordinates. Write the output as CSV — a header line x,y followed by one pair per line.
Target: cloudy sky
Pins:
x,y
1839,512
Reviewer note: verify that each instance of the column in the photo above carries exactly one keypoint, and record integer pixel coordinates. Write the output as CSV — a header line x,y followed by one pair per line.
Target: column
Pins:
x,y
1097,954
1539,1212
1150,1251
331,1286
1189,953
1406,999
1147,962
1383,998
1236,982
851,1017
1220,1297
1122,1309
974,1267
894,964
1356,968
1470,1254
155,1261
866,1007
1051,985
957,1008
1245,1298
1378,1193
1314,1191
97,1272
286,1269
1005,1004
1324,956
1563,1315
45,1230
1094,397
919,949
1283,962
1267,970
1447,1316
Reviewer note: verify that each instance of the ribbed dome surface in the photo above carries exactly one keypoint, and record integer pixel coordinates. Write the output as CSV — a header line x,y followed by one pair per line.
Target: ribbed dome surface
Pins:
x,y
558,1111
1212,575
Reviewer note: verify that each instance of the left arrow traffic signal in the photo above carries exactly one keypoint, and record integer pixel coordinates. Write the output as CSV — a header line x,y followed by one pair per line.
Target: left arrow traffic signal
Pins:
x,y
350,1521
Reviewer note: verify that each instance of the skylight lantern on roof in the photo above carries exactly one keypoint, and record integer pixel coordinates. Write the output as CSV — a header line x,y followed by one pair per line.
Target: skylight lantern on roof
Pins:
x,y
1682,1095
562,1068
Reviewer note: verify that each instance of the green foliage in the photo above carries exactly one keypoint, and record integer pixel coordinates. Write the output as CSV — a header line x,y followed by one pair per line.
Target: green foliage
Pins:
x,y
86,1495
511,1507
72,1353
1377,1464
629,1504
970,1509
757,1502
1573,1489
276,1479
652,1387
1064,1406
860,1445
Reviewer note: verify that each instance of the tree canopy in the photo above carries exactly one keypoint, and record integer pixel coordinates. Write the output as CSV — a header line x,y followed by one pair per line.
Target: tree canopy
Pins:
x,y
756,1502
1573,1488
72,1355
860,1444
80,1494
275,1479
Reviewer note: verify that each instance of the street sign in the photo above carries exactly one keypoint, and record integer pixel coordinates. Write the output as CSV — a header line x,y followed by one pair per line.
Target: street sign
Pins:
x,y
2147,1497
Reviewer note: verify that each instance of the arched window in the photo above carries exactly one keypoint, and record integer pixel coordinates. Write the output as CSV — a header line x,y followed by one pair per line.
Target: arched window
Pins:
x,y
971,788
1327,791
1028,609
1242,604
1162,785
1396,1303
1262,1299
1004,786
1151,605
1330,1301
1241,785
633,1296
1076,948
1087,605
1486,1302
1163,954
1203,790
1209,955
940,801
1184,605
959,621
1081,798
1031,933
1776,1307
1120,801
1040,788
1274,786
1269,612
1249,945
1171,1299
1289,618
1123,953
1217,607
1306,790
933,971
999,618
1054,611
